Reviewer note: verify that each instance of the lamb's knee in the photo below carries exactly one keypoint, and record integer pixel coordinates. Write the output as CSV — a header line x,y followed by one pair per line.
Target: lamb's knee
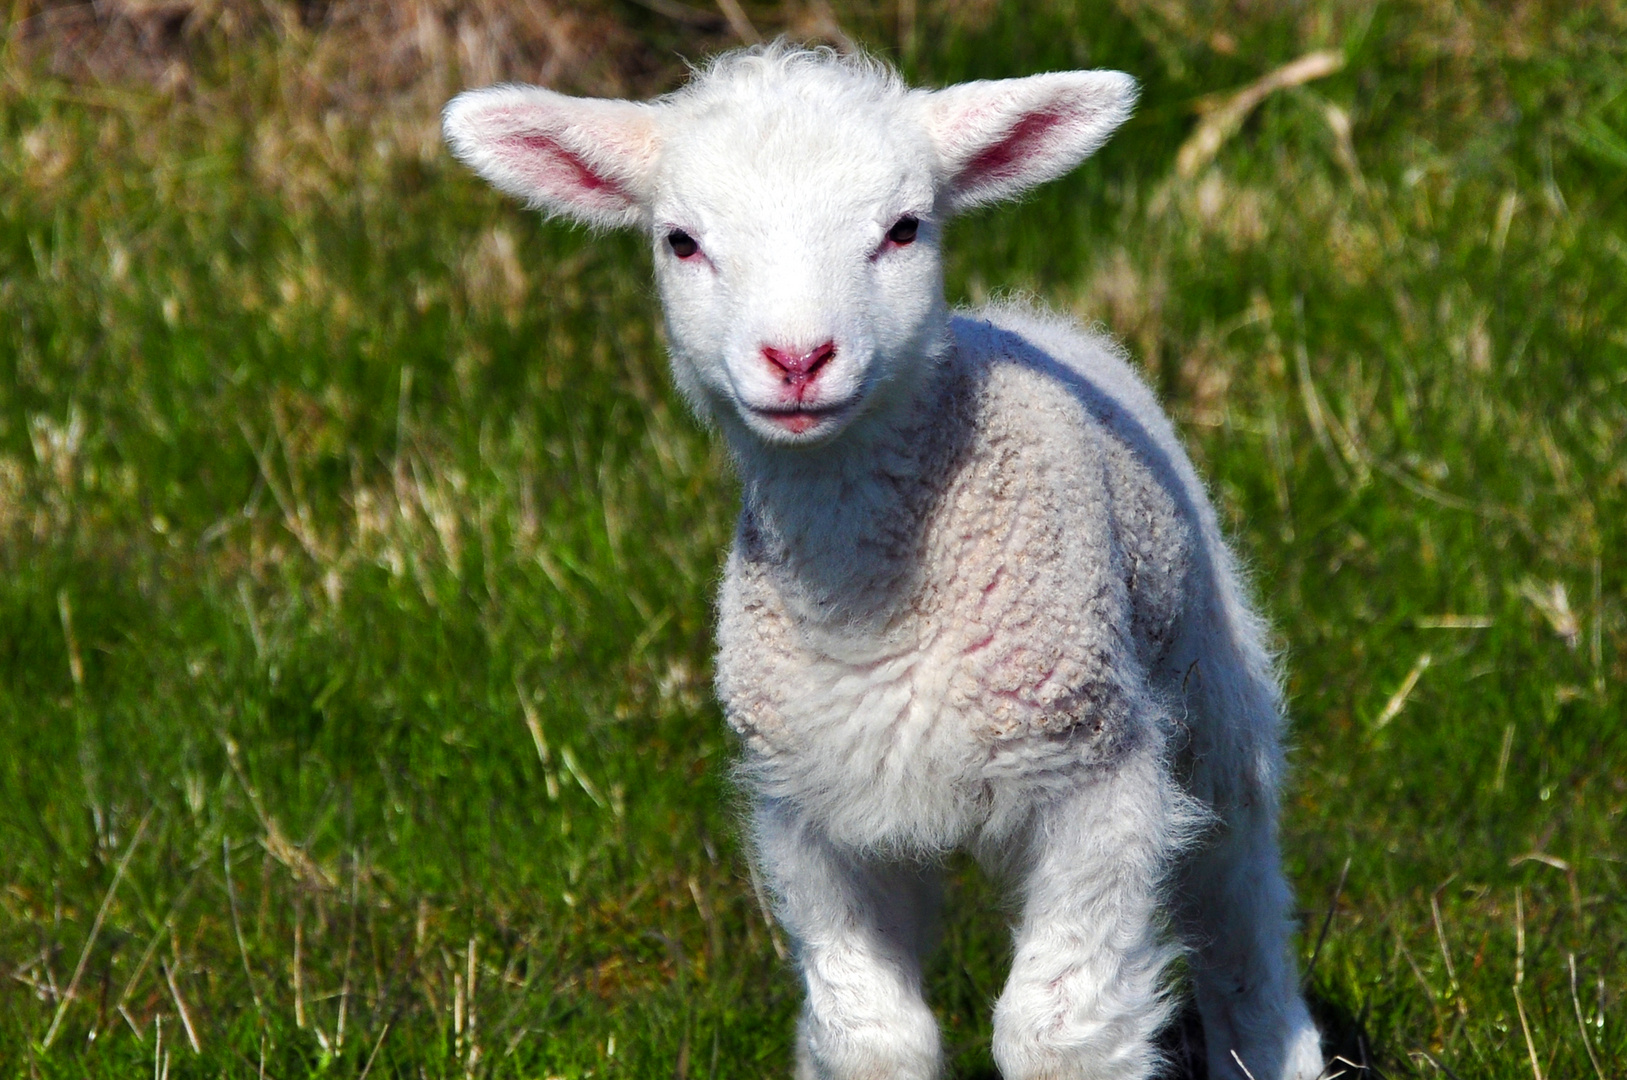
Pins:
x,y
890,1038
1073,1048
1093,1016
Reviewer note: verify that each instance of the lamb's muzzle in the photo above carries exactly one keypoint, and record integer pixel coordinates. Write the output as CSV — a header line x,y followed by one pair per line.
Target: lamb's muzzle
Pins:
x,y
994,610
797,370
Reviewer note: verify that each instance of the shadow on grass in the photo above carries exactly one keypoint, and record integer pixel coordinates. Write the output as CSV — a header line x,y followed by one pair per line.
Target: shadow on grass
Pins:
x,y
1344,1036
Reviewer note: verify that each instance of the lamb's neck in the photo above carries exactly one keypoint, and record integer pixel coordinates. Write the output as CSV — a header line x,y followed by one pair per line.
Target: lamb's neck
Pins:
x,y
842,522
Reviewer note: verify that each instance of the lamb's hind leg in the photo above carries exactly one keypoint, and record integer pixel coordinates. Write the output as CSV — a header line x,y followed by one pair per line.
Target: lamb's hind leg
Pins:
x,y
859,927
1086,995
1236,909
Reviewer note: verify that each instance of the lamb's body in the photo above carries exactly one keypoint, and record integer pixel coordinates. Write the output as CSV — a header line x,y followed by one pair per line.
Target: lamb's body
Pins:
x,y
978,597
988,607
970,632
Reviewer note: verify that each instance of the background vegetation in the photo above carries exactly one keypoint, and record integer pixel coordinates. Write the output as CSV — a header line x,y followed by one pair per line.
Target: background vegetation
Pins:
x,y
355,555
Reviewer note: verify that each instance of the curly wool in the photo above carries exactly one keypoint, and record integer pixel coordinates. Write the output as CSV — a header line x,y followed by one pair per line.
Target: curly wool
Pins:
x,y
1017,578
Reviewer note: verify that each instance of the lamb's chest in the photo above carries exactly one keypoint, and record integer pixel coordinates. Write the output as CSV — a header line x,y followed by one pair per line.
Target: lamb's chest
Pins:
x,y
1001,663
1010,639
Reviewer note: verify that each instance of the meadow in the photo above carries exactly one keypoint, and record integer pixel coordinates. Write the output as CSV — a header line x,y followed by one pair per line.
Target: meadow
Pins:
x,y
356,553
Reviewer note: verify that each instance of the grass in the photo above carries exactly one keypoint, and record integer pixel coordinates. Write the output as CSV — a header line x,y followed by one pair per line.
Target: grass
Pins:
x,y
355,554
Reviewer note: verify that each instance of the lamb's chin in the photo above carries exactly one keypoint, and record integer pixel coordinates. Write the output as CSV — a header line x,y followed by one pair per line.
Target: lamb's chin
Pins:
x,y
798,427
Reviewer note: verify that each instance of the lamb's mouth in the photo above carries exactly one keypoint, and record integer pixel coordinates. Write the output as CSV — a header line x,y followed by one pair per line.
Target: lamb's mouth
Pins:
x,y
801,419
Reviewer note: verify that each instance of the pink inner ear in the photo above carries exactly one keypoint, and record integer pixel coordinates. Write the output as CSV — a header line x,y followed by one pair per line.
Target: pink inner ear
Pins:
x,y
560,171
1004,159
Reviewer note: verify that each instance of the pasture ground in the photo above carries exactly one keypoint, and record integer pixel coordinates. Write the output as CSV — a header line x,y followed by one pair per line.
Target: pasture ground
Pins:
x,y
356,555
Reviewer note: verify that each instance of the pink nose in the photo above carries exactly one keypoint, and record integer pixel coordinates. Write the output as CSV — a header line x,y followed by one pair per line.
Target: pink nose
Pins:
x,y
797,369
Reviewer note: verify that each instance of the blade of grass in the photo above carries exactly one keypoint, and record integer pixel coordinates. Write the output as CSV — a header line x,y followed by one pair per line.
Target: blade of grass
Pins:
x,y
95,930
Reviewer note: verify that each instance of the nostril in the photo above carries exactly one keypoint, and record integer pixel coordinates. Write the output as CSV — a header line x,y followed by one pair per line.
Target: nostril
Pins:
x,y
800,365
821,356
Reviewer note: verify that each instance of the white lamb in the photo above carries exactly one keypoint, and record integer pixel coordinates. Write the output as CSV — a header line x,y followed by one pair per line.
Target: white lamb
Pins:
x,y
977,597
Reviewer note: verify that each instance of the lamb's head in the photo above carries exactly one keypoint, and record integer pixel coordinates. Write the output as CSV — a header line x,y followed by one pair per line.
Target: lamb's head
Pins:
x,y
795,202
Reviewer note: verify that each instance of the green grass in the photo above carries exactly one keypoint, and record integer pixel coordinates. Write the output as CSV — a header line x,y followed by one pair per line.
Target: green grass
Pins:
x,y
353,543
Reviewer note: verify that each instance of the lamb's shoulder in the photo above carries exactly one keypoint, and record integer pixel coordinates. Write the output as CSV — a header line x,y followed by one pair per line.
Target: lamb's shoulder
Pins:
x,y
1069,408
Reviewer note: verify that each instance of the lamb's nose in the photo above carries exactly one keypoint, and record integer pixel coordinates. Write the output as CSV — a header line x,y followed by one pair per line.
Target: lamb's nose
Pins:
x,y
796,369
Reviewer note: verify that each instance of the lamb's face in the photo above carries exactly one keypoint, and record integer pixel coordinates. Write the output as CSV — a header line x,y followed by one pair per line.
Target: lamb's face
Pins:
x,y
797,252
795,203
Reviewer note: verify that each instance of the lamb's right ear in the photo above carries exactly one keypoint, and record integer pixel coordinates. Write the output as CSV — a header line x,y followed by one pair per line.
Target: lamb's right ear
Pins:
x,y
591,159
998,138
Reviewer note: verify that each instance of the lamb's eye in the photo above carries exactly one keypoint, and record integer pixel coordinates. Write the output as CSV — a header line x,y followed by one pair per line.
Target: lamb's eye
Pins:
x,y
903,231
682,244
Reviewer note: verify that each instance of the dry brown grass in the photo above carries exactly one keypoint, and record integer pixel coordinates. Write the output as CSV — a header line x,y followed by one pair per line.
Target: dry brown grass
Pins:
x,y
349,53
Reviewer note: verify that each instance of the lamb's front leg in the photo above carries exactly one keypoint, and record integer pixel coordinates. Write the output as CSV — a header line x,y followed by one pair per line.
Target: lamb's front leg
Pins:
x,y
1086,995
859,928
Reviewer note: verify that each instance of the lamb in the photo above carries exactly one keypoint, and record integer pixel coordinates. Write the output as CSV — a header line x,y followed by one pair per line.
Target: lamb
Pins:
x,y
977,597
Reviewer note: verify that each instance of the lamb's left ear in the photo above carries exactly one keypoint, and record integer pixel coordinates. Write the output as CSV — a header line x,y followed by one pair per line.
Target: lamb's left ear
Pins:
x,y
998,138
585,158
